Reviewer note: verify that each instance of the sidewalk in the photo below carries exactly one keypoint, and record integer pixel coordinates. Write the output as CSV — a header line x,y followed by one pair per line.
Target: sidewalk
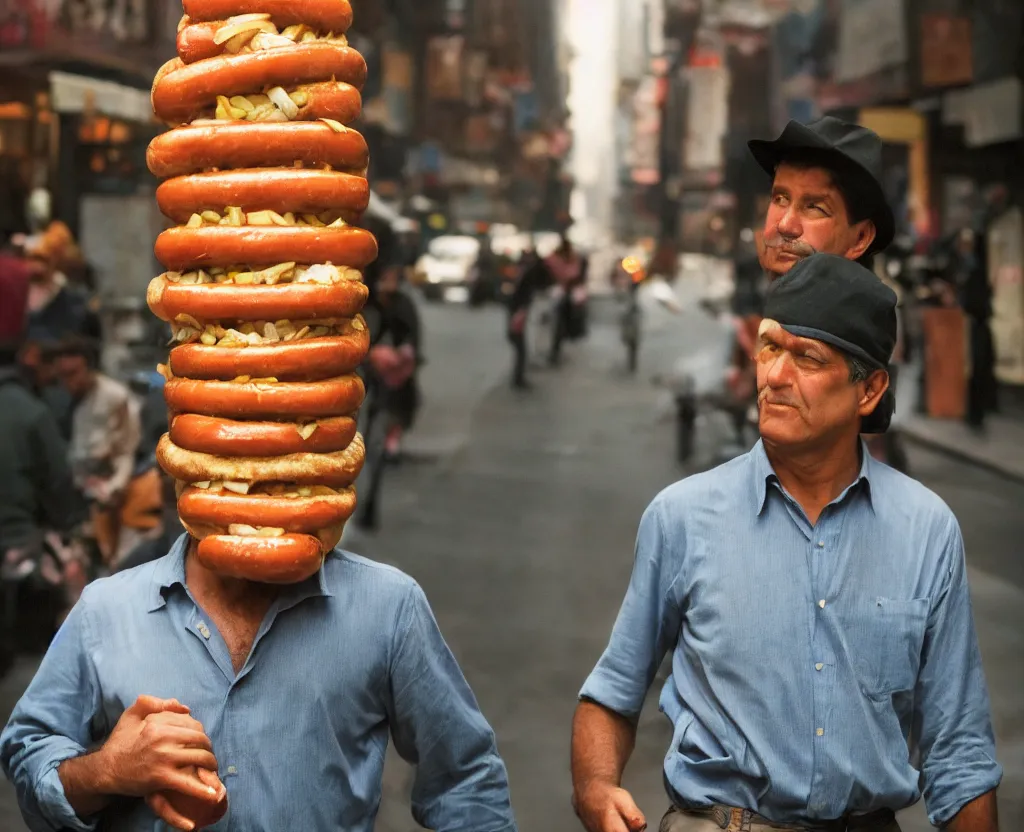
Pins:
x,y
999,449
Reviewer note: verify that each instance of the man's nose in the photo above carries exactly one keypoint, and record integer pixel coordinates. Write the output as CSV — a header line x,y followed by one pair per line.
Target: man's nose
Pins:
x,y
789,225
778,370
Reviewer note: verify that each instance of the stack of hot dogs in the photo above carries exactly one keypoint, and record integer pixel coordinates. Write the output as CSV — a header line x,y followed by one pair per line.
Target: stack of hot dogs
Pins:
x,y
263,289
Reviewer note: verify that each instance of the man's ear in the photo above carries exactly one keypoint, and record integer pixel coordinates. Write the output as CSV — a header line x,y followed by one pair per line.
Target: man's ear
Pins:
x,y
874,388
866,234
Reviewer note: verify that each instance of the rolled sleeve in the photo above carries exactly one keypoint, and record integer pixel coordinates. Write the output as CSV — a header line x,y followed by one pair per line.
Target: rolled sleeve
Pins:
x,y
461,784
954,721
647,625
50,724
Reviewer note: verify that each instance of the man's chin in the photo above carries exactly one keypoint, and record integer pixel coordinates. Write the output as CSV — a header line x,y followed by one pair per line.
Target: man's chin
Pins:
x,y
782,262
780,427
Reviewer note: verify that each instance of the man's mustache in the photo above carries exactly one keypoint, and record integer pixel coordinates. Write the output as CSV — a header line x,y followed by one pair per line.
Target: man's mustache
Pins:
x,y
796,247
766,395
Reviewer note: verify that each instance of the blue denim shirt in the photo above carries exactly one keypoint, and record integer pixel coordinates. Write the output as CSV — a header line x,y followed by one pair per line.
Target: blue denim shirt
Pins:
x,y
300,733
806,660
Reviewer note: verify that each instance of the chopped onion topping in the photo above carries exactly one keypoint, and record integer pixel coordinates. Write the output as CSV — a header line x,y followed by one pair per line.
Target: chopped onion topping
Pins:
x,y
280,97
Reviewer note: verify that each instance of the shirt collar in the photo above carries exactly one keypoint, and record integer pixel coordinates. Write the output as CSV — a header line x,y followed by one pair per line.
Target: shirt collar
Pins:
x,y
765,474
169,572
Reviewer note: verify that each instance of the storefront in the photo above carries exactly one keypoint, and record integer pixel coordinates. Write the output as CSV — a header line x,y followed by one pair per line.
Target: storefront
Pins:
x,y
75,116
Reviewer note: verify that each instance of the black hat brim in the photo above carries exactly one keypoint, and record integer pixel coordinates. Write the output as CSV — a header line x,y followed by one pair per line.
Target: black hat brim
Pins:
x,y
796,137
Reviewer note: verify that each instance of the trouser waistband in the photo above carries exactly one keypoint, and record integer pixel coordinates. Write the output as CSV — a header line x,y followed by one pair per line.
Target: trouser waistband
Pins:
x,y
733,819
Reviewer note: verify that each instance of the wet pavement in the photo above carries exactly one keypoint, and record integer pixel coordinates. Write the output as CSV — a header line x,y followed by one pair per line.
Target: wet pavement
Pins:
x,y
517,515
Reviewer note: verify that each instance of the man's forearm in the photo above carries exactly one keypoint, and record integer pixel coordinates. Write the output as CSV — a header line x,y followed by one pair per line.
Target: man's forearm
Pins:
x,y
980,815
85,786
602,741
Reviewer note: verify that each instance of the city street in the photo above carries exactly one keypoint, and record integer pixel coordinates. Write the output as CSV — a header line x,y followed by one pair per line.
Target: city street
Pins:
x,y
517,512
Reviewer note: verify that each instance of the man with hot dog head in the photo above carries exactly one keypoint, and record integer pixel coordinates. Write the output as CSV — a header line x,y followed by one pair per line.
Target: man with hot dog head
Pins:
x,y
825,670
250,679
287,693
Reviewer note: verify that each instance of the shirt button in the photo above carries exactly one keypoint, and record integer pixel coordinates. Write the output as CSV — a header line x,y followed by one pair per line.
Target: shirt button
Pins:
x,y
821,544
204,631
819,666
820,732
232,770
821,603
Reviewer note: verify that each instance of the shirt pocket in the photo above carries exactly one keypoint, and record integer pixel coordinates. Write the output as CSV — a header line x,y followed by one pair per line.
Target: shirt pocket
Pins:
x,y
885,637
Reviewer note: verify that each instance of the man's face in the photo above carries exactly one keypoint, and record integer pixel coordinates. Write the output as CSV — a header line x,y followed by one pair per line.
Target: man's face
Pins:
x,y
75,375
805,396
807,214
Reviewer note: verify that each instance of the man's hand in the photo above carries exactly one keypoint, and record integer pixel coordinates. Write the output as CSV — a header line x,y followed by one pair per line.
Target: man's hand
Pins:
x,y
153,747
183,812
604,807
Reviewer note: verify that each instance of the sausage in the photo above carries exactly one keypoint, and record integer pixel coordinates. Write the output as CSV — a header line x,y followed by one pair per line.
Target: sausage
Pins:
x,y
270,560
197,41
327,15
306,515
227,302
311,359
335,470
296,191
335,100
180,249
243,144
226,437
186,89
260,400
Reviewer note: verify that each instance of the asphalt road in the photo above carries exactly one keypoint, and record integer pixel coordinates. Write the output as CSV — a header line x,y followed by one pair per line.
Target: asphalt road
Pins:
x,y
517,515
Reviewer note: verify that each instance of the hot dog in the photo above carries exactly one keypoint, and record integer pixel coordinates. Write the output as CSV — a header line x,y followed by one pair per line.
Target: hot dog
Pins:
x,y
181,248
251,32
256,303
191,149
263,289
329,15
227,437
265,400
184,90
312,360
276,560
252,191
335,470
296,514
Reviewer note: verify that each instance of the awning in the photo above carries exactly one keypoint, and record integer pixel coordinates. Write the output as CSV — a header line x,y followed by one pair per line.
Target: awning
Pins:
x,y
79,93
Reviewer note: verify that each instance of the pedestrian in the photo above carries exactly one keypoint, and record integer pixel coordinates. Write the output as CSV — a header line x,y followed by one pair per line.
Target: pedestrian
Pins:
x,y
970,276
169,678
568,272
36,494
105,435
816,605
59,307
531,278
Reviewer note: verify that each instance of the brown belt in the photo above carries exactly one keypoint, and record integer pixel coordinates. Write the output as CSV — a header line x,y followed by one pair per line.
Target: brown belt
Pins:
x,y
740,820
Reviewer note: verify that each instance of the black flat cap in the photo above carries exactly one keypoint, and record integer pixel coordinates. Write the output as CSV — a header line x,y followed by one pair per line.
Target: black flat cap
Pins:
x,y
840,145
839,302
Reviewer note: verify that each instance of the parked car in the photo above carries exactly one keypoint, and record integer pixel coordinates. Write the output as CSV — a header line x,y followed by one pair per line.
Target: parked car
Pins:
x,y
447,271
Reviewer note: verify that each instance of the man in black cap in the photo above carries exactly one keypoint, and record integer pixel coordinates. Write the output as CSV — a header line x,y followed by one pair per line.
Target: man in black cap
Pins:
x,y
816,606
826,194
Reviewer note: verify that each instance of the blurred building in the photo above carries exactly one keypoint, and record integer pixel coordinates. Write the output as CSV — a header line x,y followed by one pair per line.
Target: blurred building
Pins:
x,y
466,108
75,119
939,80
464,112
